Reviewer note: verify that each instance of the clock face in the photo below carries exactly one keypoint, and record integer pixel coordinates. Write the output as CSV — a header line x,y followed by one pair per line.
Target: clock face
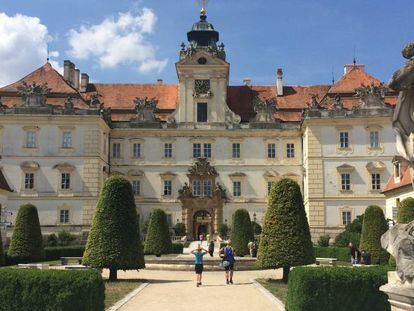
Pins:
x,y
202,86
202,61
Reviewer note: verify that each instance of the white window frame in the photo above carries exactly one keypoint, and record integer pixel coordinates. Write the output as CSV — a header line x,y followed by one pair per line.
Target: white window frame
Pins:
x,y
136,187
197,150
167,187
65,215
26,179
376,181
290,150
237,188
116,150
345,182
271,150
374,142
236,150
168,150
31,140
65,181
344,139
136,150
348,217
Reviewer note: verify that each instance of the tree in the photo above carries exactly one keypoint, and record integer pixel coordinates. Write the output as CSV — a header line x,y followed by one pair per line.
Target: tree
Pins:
x,y
285,239
223,230
352,233
1,251
158,240
179,229
406,211
373,227
242,232
26,243
257,229
114,241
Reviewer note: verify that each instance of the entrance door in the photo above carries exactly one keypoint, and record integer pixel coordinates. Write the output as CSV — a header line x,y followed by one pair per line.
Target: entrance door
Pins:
x,y
201,224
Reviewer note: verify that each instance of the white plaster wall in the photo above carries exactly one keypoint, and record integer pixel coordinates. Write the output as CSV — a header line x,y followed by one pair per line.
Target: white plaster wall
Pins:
x,y
391,200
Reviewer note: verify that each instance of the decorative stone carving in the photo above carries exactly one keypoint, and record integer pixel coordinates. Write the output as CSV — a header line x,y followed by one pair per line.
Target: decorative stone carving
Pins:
x,y
371,97
185,192
202,168
33,95
338,104
94,100
220,191
264,110
313,105
145,109
69,107
202,88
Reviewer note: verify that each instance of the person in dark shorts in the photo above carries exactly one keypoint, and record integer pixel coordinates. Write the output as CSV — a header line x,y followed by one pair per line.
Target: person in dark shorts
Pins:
x,y
198,258
228,255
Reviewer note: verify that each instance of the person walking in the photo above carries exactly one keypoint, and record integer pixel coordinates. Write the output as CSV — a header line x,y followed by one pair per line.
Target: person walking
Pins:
x,y
355,254
211,248
228,255
198,258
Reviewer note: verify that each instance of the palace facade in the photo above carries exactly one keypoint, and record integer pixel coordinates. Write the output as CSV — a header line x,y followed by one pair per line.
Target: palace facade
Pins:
x,y
199,149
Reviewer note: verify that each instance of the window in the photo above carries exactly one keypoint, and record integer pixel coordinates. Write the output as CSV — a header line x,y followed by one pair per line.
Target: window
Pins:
x,y
344,139
397,169
64,216
201,112
167,150
207,188
290,150
269,186
167,187
207,151
197,188
375,181
169,220
136,187
346,218
237,188
271,151
136,150
29,181
374,139
345,181
202,188
197,150
67,139
65,181
116,150
30,139
236,150
394,213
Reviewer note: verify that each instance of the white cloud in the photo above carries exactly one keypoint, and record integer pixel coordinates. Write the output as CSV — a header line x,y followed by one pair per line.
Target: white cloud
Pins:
x,y
117,41
23,46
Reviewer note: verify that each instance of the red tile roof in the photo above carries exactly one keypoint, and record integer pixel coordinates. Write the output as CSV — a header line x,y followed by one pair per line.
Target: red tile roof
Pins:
x,y
353,79
405,178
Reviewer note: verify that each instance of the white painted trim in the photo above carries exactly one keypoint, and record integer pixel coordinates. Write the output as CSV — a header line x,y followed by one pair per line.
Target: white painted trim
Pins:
x,y
117,306
276,301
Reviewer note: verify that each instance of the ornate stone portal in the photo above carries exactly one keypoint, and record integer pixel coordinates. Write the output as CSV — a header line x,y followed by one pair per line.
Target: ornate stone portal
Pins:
x,y
202,200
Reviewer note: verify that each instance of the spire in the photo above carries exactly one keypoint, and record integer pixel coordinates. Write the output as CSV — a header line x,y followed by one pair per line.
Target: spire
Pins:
x,y
202,33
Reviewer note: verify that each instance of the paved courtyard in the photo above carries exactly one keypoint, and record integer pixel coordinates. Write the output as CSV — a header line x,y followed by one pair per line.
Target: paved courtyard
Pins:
x,y
176,290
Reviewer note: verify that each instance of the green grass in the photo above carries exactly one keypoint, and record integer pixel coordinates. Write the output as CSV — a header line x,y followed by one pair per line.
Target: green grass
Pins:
x,y
115,291
276,287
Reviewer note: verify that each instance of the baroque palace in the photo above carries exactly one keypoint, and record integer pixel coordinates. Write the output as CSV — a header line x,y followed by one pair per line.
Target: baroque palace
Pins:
x,y
199,149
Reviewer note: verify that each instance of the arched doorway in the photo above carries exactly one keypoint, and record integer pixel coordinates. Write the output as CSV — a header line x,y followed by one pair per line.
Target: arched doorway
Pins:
x,y
201,223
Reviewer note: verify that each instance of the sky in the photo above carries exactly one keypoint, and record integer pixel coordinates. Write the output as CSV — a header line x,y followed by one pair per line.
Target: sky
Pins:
x,y
128,41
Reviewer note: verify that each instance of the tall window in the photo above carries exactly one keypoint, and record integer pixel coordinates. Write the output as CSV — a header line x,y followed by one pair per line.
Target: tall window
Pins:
x,y
167,187
236,150
136,187
168,150
31,139
197,189
201,150
375,181
271,151
29,181
346,218
67,139
65,181
207,188
169,220
344,139
269,186
290,150
64,216
237,188
136,150
201,112
197,150
374,139
345,181
116,150
202,188
207,151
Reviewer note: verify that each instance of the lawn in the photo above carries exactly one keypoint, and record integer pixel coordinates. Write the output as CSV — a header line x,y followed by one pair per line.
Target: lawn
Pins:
x,y
115,291
276,287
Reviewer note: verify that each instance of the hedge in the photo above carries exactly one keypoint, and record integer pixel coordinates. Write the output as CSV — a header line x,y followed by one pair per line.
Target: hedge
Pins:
x,y
158,239
39,290
2,257
337,289
177,248
242,232
54,253
406,211
341,253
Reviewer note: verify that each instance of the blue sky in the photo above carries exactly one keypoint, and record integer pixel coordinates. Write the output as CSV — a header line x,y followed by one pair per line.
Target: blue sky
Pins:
x,y
308,39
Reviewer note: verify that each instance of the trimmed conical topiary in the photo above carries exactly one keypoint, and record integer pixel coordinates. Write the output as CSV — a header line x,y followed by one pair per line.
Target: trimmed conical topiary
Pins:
x,y
406,211
285,239
26,243
2,259
158,240
114,240
373,227
242,232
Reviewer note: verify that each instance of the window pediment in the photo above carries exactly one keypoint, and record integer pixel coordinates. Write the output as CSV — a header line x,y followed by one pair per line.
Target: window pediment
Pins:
x,y
29,165
345,168
237,175
167,175
375,166
136,173
64,167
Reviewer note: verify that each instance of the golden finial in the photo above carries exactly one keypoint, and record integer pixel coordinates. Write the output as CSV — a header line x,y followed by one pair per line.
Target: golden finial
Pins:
x,y
203,11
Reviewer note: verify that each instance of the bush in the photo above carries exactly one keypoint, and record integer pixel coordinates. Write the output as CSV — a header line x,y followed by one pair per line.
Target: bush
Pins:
x,y
337,289
179,229
65,238
285,239
257,229
373,227
26,243
145,226
406,211
343,239
158,240
224,230
38,290
52,240
242,232
177,248
356,224
2,258
340,253
54,253
324,240
114,240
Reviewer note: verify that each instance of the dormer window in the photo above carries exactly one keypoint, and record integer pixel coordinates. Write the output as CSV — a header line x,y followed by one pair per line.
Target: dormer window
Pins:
x,y
397,170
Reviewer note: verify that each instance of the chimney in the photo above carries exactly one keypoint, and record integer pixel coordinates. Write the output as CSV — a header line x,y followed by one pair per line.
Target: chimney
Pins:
x,y
279,82
66,70
84,82
160,81
350,67
76,79
247,81
72,74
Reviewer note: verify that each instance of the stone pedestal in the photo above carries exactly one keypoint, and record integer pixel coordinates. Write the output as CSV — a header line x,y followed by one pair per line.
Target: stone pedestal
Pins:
x,y
400,295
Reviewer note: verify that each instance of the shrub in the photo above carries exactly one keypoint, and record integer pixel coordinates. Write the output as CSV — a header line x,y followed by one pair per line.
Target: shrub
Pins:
x,y
145,226
52,240
54,253
65,238
224,230
373,227
2,258
343,239
406,211
158,240
26,243
114,240
179,229
324,240
242,232
257,229
337,289
177,248
356,224
340,253
38,290
285,239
